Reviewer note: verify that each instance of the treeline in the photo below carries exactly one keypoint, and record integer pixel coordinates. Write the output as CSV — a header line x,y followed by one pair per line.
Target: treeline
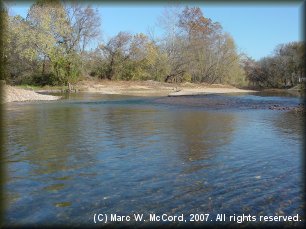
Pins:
x,y
284,69
51,46
193,48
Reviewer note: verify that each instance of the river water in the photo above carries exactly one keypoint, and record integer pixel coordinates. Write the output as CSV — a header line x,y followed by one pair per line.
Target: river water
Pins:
x,y
216,154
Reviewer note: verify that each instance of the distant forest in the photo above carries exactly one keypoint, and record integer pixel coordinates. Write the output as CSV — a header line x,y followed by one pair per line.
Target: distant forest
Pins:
x,y
50,47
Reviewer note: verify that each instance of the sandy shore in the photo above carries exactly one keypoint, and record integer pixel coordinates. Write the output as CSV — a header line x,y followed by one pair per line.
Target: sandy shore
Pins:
x,y
13,94
153,88
199,91
136,88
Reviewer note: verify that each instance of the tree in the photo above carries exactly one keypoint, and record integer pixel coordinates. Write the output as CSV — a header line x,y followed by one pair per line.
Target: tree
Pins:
x,y
61,34
50,28
197,47
4,20
292,56
283,69
114,54
173,45
22,57
85,23
50,41
146,60
129,57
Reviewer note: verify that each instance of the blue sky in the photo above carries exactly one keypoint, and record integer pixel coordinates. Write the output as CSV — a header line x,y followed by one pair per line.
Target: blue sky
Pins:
x,y
257,29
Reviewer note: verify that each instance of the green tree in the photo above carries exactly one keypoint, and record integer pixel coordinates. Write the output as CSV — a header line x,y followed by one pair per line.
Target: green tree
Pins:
x,y
4,20
52,37
114,55
22,57
50,42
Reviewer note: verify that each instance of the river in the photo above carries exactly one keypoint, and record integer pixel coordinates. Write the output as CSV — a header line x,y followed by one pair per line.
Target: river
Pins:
x,y
88,154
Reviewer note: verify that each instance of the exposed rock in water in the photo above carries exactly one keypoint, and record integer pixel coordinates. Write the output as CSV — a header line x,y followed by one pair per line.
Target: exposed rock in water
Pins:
x,y
215,101
13,94
299,109
278,107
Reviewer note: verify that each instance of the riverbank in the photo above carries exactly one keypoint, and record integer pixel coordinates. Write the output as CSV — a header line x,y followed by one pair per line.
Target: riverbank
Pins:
x,y
132,88
14,94
153,88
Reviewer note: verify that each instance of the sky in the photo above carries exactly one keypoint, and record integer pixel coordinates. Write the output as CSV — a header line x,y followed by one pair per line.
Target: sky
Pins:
x,y
257,29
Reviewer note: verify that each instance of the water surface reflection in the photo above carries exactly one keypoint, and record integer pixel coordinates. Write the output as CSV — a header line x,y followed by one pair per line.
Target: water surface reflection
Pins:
x,y
68,160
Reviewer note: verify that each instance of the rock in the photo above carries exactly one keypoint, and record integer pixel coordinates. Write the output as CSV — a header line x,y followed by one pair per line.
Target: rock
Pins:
x,y
299,109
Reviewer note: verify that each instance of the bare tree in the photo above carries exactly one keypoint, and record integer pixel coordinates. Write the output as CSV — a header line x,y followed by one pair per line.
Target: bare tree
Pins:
x,y
115,52
85,24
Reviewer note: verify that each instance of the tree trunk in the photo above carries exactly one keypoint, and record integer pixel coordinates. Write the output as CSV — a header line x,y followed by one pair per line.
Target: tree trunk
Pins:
x,y
44,65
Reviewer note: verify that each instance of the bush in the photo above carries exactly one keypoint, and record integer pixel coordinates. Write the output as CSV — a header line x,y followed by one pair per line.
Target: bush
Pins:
x,y
45,79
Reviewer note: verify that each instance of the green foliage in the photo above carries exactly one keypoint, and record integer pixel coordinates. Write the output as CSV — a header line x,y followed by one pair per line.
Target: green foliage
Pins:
x,y
3,42
42,80
46,47
127,57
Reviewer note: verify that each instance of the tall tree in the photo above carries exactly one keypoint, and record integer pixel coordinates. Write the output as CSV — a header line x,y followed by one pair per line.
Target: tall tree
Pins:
x,y
4,20
21,52
173,45
115,54
85,24
201,49
52,38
